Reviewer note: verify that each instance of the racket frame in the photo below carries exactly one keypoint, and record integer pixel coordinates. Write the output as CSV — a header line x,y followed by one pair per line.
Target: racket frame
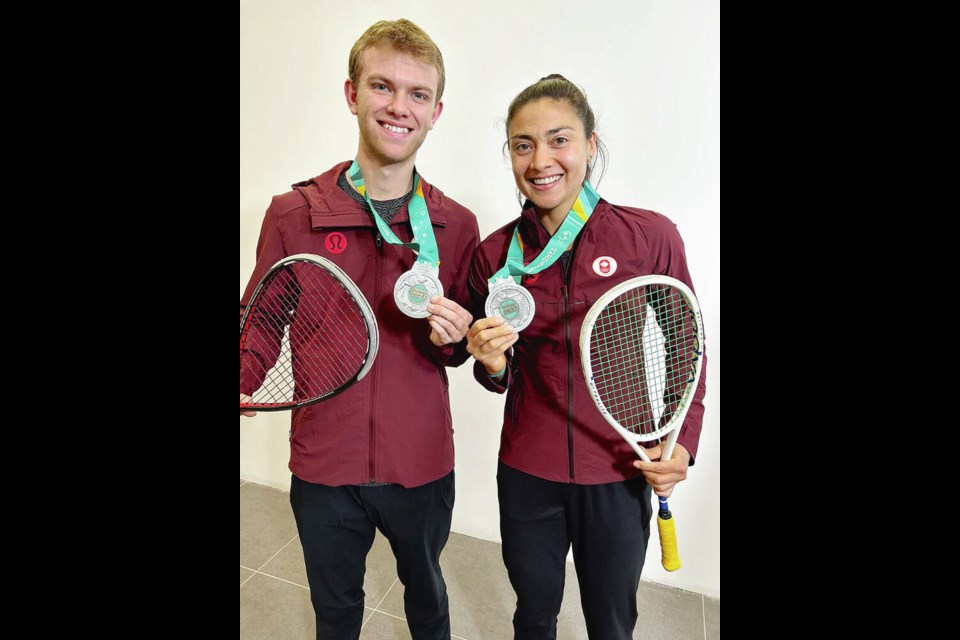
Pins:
x,y
671,429
366,311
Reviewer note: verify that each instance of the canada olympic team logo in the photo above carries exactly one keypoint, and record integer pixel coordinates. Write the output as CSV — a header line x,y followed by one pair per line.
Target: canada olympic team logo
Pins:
x,y
605,266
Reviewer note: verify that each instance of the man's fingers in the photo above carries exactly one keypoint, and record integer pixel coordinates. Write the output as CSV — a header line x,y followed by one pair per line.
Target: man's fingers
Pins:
x,y
245,399
440,336
449,327
450,310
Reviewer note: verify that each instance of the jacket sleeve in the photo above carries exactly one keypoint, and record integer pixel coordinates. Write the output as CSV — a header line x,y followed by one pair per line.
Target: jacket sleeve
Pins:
x,y
477,283
453,355
263,340
672,261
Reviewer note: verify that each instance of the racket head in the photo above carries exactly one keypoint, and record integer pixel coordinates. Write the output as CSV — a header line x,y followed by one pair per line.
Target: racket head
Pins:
x,y
641,350
307,334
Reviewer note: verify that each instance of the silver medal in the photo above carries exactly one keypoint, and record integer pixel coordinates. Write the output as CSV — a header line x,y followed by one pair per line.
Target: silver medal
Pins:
x,y
511,302
415,288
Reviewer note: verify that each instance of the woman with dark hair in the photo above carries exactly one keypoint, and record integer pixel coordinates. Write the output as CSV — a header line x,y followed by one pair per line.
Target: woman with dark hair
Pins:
x,y
565,477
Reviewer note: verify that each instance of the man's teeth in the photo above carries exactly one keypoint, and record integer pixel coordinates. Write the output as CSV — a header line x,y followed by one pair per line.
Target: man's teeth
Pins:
x,y
390,127
543,181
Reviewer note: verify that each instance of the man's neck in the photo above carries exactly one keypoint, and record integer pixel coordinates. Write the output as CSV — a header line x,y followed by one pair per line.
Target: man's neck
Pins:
x,y
385,182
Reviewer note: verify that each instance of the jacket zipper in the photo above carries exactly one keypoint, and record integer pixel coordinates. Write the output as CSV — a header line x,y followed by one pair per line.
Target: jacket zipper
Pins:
x,y
565,270
566,333
373,384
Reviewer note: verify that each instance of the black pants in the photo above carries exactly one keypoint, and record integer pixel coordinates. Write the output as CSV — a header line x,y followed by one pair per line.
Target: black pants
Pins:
x,y
337,526
608,526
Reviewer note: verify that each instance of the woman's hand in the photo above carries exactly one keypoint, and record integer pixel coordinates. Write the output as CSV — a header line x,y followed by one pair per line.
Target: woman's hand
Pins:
x,y
664,476
488,340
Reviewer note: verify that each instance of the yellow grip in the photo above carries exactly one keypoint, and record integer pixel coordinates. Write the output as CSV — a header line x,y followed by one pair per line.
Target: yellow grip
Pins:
x,y
669,555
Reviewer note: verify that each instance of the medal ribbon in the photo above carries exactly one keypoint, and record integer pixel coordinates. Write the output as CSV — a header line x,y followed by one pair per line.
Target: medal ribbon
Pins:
x,y
567,233
424,243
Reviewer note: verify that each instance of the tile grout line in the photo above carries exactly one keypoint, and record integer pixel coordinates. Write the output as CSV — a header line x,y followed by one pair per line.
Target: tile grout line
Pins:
x,y
263,573
390,615
248,578
703,610
276,554
376,609
296,584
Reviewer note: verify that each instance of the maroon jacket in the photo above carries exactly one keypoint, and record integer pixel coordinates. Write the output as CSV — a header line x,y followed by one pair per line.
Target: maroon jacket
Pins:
x,y
551,428
395,424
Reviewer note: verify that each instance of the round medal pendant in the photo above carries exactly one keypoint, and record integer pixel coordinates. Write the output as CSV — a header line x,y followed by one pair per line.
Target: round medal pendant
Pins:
x,y
512,302
415,288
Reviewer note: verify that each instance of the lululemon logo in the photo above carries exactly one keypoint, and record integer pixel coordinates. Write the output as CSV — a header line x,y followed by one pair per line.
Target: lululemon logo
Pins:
x,y
605,266
336,242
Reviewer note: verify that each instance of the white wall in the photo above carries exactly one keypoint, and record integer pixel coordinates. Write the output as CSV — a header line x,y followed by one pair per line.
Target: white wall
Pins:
x,y
651,70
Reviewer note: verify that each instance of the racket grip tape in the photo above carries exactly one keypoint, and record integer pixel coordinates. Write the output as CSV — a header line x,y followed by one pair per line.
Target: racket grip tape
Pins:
x,y
669,554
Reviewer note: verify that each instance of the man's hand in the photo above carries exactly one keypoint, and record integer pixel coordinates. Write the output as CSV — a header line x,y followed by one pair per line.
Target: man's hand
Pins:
x,y
244,399
449,321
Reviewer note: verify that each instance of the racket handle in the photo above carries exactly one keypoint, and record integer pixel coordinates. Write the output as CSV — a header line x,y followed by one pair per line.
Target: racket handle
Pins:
x,y
669,554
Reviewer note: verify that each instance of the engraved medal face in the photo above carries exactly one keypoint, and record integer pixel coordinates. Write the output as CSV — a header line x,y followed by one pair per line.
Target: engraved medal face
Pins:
x,y
415,288
511,302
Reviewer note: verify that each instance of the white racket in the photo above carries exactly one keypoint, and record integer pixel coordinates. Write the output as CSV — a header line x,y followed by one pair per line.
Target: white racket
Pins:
x,y
641,348
307,334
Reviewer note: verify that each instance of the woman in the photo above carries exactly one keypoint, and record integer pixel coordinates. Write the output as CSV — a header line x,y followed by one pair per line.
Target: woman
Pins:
x,y
565,477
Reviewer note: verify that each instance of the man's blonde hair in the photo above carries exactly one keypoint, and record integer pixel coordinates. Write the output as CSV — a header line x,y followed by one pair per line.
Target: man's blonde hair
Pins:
x,y
405,37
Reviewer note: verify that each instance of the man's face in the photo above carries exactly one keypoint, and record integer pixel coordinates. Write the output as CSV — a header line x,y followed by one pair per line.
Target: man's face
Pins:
x,y
395,104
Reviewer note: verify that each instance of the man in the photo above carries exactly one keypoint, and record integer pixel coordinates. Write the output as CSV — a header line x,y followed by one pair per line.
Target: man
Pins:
x,y
380,455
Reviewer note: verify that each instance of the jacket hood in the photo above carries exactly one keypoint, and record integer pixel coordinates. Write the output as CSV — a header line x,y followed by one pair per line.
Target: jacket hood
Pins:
x,y
330,206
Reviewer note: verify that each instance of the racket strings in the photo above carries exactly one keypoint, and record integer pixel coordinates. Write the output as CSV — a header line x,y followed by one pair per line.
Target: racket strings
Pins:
x,y
643,350
306,317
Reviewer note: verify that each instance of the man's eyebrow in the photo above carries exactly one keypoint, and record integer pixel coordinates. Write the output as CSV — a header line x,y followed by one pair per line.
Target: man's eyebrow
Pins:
x,y
384,80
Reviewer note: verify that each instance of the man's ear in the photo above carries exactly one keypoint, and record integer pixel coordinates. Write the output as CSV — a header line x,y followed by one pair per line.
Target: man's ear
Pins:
x,y
437,110
350,91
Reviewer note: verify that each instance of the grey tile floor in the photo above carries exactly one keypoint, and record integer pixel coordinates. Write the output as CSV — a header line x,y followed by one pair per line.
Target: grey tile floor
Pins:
x,y
275,601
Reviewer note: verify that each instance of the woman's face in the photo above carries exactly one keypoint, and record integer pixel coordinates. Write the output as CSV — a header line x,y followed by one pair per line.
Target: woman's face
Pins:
x,y
549,150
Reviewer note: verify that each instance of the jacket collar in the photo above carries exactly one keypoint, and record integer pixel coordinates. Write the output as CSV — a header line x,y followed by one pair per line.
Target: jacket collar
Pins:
x,y
530,227
331,207
536,236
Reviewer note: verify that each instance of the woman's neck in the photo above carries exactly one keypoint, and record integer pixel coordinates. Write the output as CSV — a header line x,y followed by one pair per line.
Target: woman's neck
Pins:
x,y
551,219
